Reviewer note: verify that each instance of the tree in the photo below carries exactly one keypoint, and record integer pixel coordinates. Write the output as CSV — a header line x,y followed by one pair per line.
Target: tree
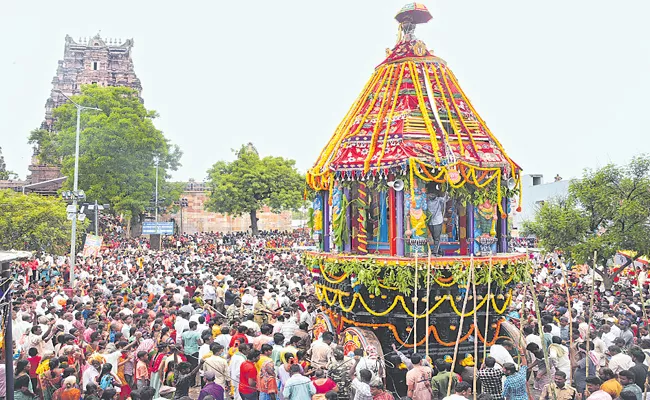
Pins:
x,y
250,182
606,211
4,174
35,223
118,146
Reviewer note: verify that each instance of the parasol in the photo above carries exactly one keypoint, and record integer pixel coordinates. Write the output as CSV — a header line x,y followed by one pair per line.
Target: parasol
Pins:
x,y
415,13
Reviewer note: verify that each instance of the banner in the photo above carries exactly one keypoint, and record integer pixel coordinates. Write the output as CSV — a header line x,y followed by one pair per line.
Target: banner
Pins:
x,y
162,228
93,245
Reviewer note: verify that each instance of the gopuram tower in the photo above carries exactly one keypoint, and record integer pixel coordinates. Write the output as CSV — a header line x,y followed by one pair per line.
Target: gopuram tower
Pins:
x,y
98,61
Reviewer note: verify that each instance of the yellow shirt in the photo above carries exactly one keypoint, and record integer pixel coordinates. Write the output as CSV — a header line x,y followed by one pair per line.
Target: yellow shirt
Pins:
x,y
261,362
216,331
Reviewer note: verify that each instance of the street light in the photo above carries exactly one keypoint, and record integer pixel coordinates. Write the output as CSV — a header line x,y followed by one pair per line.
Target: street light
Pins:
x,y
156,161
75,189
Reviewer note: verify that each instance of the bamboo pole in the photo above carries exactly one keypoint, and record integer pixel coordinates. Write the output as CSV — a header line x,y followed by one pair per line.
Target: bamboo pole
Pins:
x,y
539,325
521,339
591,310
521,322
415,307
487,309
568,299
476,339
645,323
470,277
427,303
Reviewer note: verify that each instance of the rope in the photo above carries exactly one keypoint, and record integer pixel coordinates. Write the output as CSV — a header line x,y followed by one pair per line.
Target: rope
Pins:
x,y
470,278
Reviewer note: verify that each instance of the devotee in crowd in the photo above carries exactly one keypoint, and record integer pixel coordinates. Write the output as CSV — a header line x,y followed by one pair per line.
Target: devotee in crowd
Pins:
x,y
231,316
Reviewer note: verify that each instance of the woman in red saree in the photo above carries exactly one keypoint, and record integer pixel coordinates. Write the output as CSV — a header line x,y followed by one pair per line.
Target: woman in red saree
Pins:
x,y
156,361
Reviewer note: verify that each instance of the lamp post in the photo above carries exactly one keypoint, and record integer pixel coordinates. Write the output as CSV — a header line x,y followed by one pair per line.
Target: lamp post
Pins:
x,y
75,184
156,161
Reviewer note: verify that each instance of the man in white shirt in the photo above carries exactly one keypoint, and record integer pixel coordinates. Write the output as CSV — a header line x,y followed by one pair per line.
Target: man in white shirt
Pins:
x,y
248,300
236,361
608,336
619,361
463,392
218,365
209,292
182,324
501,352
126,327
361,385
66,322
58,299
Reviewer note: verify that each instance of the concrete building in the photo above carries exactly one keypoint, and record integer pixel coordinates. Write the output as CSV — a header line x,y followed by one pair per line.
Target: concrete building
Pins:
x,y
535,193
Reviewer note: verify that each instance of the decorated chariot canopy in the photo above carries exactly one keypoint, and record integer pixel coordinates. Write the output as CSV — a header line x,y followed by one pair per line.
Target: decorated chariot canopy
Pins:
x,y
413,119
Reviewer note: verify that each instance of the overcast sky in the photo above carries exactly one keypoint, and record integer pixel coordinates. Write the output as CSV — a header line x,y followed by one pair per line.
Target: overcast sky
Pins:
x,y
563,84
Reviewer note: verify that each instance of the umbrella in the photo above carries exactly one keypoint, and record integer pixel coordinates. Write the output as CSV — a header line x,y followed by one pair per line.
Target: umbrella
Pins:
x,y
414,12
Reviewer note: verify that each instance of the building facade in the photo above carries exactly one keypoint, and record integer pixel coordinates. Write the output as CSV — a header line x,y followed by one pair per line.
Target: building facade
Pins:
x,y
88,61
91,61
535,193
196,219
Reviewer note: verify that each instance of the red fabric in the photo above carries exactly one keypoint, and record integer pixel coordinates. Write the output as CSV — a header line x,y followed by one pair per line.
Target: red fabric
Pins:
x,y
325,387
239,337
33,364
247,371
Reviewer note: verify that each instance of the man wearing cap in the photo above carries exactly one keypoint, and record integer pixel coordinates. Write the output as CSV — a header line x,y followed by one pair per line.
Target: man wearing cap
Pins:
x,y
211,388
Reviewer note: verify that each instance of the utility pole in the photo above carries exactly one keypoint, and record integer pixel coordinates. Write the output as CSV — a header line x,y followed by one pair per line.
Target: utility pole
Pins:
x,y
156,161
96,219
75,188
8,344
6,257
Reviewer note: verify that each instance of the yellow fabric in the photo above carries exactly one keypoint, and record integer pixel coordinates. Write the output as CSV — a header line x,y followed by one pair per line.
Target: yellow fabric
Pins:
x,y
613,387
418,222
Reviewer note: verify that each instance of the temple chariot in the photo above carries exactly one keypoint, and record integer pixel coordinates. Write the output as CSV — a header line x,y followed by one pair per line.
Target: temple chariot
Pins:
x,y
410,157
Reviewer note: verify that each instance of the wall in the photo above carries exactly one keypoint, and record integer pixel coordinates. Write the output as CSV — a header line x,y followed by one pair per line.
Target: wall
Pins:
x,y
534,194
196,219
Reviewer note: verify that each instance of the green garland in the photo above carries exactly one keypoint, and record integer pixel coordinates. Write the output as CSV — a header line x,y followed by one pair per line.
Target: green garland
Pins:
x,y
477,196
373,275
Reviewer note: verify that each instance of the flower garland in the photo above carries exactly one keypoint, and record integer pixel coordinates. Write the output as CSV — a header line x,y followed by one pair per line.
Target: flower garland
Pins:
x,y
387,273
471,107
390,115
432,330
423,109
318,171
322,294
458,112
379,118
461,147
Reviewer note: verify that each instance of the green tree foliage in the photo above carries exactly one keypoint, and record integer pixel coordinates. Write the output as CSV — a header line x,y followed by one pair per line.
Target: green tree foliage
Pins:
x,y
35,223
117,149
606,211
250,182
4,174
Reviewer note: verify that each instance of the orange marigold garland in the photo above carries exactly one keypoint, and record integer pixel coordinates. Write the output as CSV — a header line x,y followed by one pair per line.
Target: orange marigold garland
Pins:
x,y
432,330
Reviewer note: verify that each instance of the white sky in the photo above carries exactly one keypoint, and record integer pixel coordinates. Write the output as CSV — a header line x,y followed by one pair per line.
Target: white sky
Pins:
x,y
563,84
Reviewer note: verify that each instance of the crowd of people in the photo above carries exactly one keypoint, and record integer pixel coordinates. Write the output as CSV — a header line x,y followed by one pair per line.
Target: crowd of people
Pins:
x,y
229,316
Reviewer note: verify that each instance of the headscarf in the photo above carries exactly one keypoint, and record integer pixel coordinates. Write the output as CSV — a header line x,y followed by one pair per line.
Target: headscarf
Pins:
x,y
70,381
